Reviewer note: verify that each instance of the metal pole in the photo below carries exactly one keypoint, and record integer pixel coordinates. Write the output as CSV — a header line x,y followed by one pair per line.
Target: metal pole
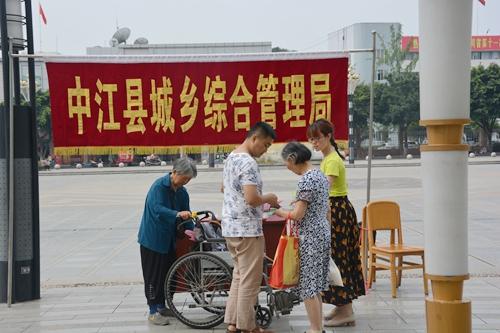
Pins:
x,y
351,130
34,154
370,141
16,76
360,50
211,160
370,121
10,264
4,219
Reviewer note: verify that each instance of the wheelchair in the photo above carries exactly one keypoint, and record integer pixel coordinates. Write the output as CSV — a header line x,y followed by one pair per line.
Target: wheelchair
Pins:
x,y
197,285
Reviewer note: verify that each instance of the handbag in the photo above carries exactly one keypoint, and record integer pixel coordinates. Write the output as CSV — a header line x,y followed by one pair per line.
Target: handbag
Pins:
x,y
285,269
334,277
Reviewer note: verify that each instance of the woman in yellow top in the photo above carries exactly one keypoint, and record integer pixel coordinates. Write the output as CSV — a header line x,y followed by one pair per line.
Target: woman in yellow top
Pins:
x,y
344,228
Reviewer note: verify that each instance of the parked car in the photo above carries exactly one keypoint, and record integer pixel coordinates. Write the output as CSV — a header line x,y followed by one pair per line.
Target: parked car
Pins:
x,y
375,143
413,145
388,146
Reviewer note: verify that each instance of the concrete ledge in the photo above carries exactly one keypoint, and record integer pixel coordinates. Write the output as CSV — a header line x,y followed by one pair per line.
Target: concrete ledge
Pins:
x,y
376,163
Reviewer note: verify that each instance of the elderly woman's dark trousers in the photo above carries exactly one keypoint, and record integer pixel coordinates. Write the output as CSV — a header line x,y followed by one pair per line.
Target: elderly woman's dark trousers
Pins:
x,y
155,267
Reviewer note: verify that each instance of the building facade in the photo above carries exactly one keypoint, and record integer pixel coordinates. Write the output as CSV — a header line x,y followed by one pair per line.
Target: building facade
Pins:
x,y
485,49
359,36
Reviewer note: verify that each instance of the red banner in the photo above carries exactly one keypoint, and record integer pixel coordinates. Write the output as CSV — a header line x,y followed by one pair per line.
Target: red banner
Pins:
x,y
160,106
477,43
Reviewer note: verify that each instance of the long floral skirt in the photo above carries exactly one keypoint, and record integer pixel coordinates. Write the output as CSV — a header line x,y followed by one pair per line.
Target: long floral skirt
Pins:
x,y
345,253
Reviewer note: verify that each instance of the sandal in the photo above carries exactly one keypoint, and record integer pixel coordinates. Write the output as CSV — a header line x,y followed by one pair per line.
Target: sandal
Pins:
x,y
341,322
235,330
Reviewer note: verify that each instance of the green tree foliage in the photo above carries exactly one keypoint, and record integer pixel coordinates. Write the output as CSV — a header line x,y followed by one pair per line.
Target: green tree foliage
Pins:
x,y
44,124
401,100
394,55
361,108
280,49
400,97
485,98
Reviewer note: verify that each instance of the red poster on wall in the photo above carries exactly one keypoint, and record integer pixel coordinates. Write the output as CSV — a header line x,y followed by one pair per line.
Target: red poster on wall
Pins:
x,y
160,104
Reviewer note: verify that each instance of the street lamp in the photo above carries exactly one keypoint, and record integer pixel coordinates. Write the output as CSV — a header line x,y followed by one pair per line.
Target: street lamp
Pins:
x,y
15,22
352,82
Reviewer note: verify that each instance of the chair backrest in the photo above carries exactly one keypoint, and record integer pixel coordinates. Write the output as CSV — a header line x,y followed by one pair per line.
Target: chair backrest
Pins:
x,y
383,215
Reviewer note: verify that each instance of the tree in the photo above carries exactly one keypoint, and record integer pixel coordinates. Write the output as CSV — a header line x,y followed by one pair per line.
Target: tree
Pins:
x,y
361,109
401,95
395,56
485,99
280,49
402,99
43,124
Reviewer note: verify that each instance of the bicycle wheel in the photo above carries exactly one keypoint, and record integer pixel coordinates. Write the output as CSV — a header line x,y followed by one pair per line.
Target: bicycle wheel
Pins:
x,y
196,289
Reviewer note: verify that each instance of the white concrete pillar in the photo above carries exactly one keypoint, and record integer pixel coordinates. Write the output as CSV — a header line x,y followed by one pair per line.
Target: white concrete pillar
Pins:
x,y
445,33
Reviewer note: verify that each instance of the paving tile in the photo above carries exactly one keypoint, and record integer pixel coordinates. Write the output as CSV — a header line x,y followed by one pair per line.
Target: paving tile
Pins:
x,y
14,327
124,310
92,287
62,330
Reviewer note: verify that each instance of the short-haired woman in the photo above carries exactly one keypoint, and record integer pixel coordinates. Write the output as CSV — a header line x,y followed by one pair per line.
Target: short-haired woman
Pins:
x,y
167,201
310,213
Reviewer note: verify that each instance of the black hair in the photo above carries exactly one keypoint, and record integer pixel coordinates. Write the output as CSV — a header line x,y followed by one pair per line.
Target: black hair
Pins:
x,y
297,152
324,127
262,129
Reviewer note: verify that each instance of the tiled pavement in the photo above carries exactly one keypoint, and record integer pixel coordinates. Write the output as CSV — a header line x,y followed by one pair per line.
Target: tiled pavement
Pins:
x,y
122,308
88,237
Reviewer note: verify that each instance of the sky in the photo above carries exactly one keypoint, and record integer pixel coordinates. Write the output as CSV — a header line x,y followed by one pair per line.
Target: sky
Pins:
x,y
300,25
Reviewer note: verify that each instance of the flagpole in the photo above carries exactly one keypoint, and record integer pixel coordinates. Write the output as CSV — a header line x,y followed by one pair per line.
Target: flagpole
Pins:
x,y
476,7
39,27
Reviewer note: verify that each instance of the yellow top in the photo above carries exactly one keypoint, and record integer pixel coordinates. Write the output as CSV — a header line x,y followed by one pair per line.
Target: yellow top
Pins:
x,y
333,165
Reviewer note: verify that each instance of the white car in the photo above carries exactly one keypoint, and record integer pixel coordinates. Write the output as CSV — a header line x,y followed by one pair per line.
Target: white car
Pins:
x,y
387,146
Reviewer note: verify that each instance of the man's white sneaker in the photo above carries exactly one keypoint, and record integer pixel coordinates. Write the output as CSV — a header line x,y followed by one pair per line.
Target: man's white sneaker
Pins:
x,y
158,319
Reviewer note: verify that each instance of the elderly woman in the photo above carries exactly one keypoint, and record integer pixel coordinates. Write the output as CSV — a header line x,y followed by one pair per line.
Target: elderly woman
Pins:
x,y
310,213
166,202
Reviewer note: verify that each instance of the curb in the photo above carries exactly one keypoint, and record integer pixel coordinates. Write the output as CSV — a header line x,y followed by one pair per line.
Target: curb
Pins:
x,y
149,170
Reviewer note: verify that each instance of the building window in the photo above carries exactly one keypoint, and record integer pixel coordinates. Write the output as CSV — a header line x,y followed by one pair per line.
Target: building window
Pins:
x,y
380,75
411,56
476,55
486,55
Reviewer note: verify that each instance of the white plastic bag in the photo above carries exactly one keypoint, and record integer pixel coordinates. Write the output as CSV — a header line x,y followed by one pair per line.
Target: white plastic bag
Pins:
x,y
334,276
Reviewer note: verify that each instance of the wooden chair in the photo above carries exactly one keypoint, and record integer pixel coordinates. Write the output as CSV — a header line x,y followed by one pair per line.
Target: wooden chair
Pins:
x,y
385,215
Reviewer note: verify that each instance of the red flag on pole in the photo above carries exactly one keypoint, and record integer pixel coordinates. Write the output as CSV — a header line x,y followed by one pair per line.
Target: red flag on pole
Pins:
x,y
44,18
483,2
